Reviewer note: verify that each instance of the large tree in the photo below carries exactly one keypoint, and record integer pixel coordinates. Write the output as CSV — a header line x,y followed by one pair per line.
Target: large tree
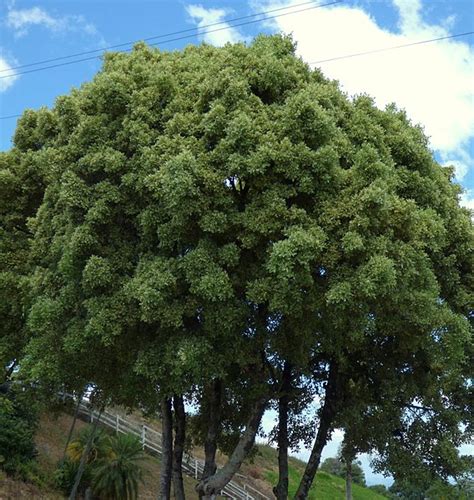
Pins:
x,y
225,223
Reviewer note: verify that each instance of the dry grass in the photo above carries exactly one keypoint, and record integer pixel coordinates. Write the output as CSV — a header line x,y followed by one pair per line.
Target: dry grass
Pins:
x,y
260,471
13,489
51,440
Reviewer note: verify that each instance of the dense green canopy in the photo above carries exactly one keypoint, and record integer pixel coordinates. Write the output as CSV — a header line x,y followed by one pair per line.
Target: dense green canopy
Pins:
x,y
214,212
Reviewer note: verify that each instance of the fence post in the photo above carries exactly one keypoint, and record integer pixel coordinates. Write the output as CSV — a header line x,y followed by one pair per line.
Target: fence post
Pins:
x,y
143,436
117,423
91,415
196,471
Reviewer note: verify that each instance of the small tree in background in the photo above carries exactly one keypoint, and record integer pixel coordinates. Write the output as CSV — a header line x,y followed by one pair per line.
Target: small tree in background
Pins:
x,y
338,467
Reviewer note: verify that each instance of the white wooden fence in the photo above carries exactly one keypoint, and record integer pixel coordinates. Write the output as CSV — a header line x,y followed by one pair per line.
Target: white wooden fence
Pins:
x,y
151,441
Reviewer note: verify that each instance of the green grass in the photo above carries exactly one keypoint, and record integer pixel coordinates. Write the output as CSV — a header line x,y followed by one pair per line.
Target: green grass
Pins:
x,y
325,487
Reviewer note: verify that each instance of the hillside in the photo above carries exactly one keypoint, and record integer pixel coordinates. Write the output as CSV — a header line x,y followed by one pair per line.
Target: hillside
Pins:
x,y
261,472
326,486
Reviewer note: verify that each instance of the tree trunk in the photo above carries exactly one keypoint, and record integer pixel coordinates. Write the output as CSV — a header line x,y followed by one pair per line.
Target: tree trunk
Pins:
x,y
215,483
82,463
214,420
73,425
179,437
281,489
166,449
348,480
324,430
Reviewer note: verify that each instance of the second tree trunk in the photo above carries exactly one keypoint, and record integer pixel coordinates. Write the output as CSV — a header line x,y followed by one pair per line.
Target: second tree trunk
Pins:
x,y
281,489
179,437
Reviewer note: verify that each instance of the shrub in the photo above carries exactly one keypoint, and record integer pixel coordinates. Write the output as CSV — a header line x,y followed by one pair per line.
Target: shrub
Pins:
x,y
65,476
18,421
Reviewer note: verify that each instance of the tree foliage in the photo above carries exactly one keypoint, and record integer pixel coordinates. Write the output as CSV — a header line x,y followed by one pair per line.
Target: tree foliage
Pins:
x,y
214,213
22,181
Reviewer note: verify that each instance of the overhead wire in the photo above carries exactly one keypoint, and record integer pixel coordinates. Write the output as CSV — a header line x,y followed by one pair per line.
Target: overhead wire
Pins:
x,y
197,33
346,56
394,47
9,117
155,37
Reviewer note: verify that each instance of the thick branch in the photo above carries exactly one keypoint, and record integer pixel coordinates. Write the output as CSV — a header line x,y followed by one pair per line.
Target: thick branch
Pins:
x,y
217,482
82,463
73,425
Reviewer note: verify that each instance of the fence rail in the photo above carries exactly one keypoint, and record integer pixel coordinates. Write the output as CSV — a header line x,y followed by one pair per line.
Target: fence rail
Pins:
x,y
151,441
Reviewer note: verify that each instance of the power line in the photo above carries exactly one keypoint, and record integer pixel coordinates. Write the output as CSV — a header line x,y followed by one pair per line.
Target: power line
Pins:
x,y
124,44
357,54
347,56
205,32
8,117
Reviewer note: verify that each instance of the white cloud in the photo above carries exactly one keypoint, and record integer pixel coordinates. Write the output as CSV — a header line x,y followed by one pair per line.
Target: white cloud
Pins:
x,y
433,82
5,68
460,168
467,199
203,17
409,14
21,20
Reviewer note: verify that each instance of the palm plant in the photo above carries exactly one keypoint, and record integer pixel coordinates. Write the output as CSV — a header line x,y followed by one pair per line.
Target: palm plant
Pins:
x,y
66,473
118,474
99,447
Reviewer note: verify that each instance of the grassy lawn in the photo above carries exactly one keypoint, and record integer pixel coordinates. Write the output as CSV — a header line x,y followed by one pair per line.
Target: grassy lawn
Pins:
x,y
325,487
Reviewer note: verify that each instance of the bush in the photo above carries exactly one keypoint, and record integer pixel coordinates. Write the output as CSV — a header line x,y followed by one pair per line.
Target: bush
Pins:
x,y
98,447
65,475
18,422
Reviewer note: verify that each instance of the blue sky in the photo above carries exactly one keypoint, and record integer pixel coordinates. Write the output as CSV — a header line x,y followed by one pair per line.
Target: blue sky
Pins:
x,y
434,82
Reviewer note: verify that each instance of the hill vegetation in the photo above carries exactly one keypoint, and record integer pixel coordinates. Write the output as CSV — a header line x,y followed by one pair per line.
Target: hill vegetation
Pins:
x,y
51,438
